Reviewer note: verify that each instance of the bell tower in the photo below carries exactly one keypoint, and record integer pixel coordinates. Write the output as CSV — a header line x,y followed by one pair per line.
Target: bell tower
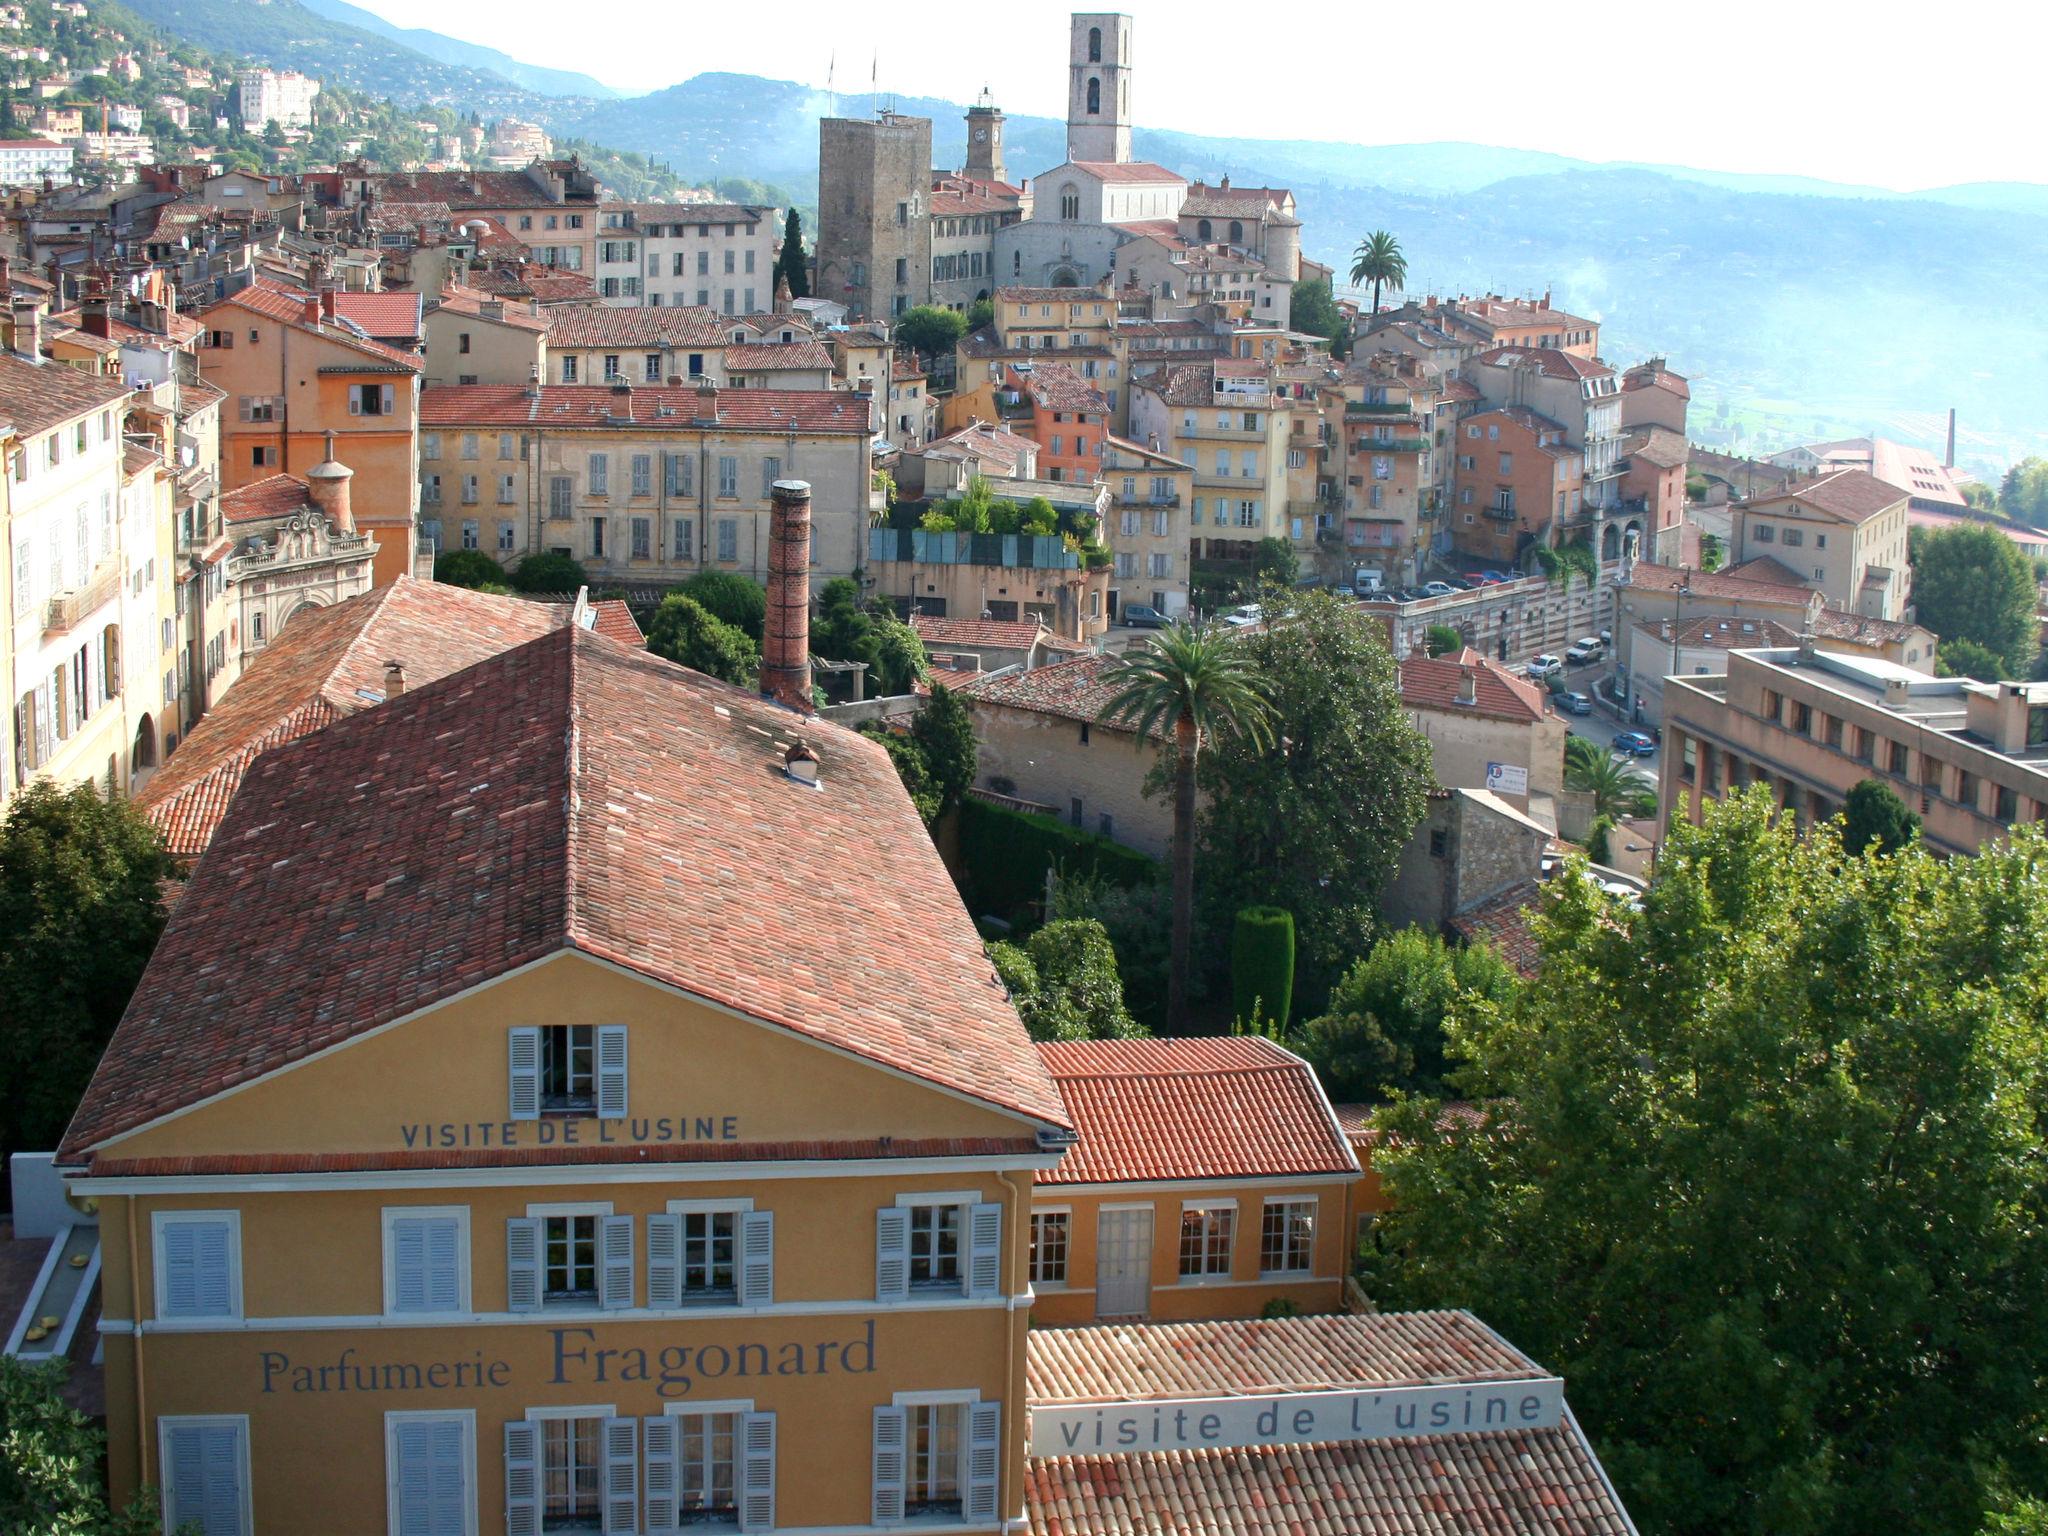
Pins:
x,y
1099,87
985,139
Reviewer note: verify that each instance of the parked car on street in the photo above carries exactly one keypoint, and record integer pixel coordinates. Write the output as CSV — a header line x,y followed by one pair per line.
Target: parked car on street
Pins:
x,y
1437,589
1545,665
1635,744
1585,650
1574,703
1138,616
1245,617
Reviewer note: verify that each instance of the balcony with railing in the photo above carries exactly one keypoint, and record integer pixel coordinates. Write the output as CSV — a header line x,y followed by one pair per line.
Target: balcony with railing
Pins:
x,y
69,609
1045,552
1502,511
1378,408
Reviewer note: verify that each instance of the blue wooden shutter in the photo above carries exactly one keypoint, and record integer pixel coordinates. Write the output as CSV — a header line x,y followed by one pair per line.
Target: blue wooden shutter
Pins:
x,y
891,1433
522,1478
757,1472
621,1484
757,1258
524,1048
892,1253
984,1459
522,1264
408,1267
615,1262
664,1261
984,1270
611,1071
443,1262
660,1474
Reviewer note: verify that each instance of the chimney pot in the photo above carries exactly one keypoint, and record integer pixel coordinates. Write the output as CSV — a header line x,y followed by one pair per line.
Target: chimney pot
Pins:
x,y
312,309
394,679
801,762
327,487
786,647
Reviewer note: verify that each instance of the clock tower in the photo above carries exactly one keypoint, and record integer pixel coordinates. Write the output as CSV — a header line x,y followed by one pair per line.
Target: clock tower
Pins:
x,y
985,140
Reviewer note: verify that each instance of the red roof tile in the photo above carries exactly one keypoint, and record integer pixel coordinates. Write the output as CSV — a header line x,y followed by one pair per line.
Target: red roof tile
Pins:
x,y
569,794
471,301
1503,922
1058,387
777,356
1127,171
602,325
290,309
384,314
990,634
328,663
272,496
648,407
614,620
1071,690
1548,360
1234,1106
1853,495
1434,682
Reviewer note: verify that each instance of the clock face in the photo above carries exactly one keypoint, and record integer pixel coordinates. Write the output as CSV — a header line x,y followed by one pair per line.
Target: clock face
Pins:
x,y
980,135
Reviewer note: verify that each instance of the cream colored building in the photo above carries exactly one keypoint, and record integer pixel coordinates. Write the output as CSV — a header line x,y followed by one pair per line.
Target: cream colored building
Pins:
x,y
594,344
718,256
473,338
1150,494
1487,728
1228,423
641,483
1843,534
1971,759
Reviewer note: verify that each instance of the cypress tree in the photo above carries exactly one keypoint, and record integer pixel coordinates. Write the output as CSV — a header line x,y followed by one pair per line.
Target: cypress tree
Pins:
x,y
791,264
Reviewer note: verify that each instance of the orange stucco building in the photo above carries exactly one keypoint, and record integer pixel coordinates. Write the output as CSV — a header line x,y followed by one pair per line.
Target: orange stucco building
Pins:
x,y
294,370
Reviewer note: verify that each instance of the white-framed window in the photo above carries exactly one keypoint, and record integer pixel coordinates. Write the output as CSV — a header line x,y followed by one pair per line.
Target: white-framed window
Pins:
x,y
198,1268
927,1243
569,1257
1206,1227
1287,1235
430,1472
711,1253
567,1069
203,1474
426,1258
1050,1227
572,1469
372,400
936,1456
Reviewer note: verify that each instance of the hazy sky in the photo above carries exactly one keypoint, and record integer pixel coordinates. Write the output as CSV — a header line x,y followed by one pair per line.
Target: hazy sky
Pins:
x,y
1879,92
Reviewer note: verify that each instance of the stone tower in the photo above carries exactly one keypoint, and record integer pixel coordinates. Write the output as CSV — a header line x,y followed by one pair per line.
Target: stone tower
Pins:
x,y
985,140
874,213
1099,90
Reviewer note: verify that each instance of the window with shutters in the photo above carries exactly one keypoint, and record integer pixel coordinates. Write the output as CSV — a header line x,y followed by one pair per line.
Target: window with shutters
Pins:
x,y
728,539
1049,1247
203,1476
426,1259
936,1456
430,1462
643,474
643,538
935,1246
728,475
569,1259
568,1068
600,475
1205,1232
507,492
933,1481
946,1243
1287,1238
771,471
572,1473
371,400
198,1263
682,543
561,491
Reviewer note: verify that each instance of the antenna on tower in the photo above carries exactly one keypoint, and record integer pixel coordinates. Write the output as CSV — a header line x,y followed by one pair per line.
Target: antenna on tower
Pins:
x,y
831,96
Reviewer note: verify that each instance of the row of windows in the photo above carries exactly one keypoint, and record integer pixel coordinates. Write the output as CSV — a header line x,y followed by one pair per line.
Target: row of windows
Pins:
x,y
1157,565
1287,1229
583,1256
68,562
552,221
967,264
640,531
933,1456
50,713
64,444
1788,536
1129,522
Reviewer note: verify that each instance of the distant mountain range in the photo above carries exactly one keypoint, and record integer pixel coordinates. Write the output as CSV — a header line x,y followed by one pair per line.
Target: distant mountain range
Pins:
x,y
1800,308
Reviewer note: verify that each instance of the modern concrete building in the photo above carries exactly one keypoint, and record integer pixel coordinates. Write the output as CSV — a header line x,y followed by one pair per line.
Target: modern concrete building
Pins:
x,y
280,96
874,225
1971,758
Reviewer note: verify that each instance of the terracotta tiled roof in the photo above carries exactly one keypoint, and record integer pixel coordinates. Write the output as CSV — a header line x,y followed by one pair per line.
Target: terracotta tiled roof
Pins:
x,y
1433,682
325,664
777,357
1764,568
1071,690
271,497
471,301
1839,624
649,408
1503,922
1124,171
177,328
1232,202
462,189
385,314
1721,634
568,794
1234,1106
1669,578
597,325
694,213
290,309
1360,1131
984,442
1852,495
1646,375
1549,360
1057,387
1050,296
1659,446
1185,384
549,285
35,397
614,620
1510,1483
990,634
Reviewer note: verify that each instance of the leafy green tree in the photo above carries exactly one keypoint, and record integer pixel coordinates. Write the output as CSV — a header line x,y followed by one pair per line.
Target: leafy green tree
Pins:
x,y
2023,493
1441,640
1966,658
468,568
1316,826
81,906
50,1458
1199,685
1139,921
943,732
1600,840
732,598
1979,495
1378,260
909,759
1718,1189
1874,817
842,629
791,266
1711,555
1974,584
1313,310
900,658
1620,790
1384,1031
1275,561
1262,967
931,330
546,572
1065,984
980,313
685,631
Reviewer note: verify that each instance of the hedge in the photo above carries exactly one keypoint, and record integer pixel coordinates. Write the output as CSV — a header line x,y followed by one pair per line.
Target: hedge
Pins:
x,y
1262,965
1005,855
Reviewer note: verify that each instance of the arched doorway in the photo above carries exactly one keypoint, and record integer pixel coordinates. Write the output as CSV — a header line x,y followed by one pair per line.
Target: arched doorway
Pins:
x,y
1066,277
1610,543
144,755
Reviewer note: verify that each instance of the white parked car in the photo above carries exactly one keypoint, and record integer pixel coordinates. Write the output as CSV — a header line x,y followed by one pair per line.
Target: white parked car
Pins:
x,y
1245,617
1586,649
1437,589
1545,665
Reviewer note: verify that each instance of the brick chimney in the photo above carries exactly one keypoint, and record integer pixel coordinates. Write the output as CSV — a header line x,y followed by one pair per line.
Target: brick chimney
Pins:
x,y
327,487
312,303
786,641
95,316
394,679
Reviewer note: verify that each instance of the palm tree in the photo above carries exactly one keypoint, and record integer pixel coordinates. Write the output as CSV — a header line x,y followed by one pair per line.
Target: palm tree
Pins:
x,y
1378,260
1619,789
1199,684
